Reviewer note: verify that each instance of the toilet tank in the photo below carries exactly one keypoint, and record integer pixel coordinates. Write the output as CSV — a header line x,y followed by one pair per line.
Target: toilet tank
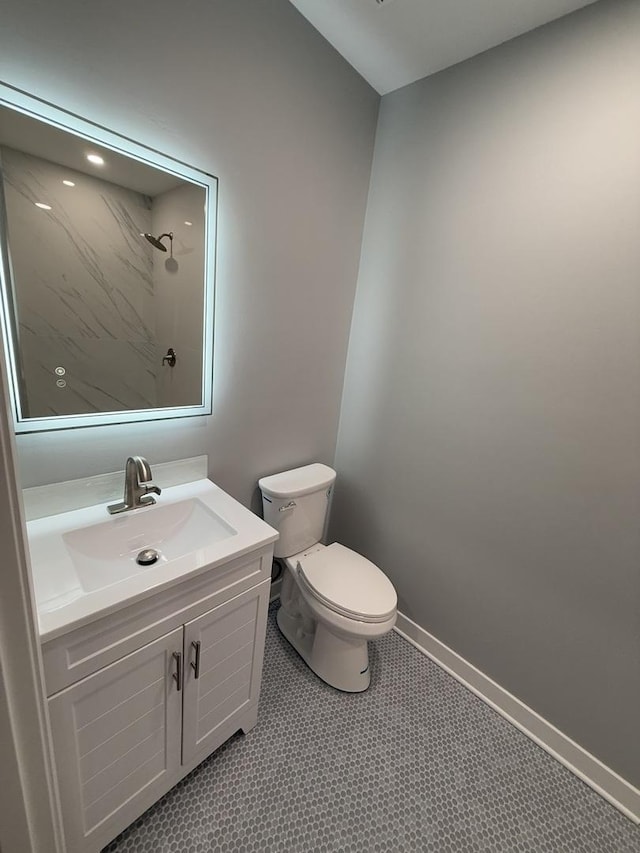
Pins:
x,y
296,503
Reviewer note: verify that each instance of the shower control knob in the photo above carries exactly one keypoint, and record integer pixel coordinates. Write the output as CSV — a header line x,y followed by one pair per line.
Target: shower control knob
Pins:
x,y
170,357
60,371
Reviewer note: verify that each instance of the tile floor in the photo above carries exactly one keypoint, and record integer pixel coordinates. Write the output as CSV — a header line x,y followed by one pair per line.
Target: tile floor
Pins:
x,y
417,763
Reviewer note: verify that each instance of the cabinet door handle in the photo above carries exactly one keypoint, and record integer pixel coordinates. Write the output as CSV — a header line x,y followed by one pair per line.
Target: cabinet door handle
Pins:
x,y
177,675
196,666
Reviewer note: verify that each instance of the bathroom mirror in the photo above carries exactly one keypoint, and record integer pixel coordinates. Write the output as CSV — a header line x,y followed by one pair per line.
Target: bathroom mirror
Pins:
x,y
107,257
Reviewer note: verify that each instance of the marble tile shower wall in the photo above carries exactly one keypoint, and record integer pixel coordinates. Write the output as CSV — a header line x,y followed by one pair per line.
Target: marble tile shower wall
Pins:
x,y
84,288
178,288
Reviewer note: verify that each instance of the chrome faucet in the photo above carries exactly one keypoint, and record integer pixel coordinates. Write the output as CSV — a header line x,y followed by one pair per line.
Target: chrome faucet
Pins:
x,y
137,485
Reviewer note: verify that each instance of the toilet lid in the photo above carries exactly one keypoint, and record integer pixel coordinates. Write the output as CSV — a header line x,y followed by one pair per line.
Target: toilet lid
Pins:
x,y
348,583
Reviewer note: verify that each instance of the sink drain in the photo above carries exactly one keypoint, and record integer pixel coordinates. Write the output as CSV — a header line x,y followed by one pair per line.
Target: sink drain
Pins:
x,y
147,557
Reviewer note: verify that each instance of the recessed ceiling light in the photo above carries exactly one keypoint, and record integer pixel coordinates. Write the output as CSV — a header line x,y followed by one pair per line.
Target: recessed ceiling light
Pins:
x,y
186,222
96,159
42,205
68,183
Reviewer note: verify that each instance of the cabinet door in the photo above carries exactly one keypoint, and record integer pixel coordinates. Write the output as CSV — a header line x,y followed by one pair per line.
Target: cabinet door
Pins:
x,y
223,650
116,737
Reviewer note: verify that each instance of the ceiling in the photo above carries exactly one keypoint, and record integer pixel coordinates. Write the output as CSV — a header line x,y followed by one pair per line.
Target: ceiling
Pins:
x,y
40,139
394,42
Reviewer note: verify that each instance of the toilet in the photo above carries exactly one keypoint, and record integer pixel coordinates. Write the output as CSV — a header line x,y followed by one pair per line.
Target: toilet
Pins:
x,y
333,600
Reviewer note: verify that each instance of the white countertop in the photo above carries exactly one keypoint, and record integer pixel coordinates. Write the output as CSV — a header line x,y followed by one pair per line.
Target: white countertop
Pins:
x,y
63,602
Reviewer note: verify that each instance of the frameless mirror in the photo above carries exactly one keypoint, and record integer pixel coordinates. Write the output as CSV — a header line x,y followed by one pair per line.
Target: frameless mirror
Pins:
x,y
107,262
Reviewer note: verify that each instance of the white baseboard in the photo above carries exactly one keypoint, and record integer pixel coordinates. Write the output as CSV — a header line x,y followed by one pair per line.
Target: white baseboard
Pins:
x,y
597,775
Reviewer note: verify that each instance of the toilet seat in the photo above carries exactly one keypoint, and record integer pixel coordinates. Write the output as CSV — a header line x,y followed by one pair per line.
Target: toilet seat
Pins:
x,y
347,583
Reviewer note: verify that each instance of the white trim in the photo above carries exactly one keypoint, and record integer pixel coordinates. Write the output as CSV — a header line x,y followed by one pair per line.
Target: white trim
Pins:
x,y
33,823
587,767
14,833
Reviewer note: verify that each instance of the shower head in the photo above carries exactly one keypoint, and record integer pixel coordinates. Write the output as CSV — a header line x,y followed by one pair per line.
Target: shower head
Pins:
x,y
155,241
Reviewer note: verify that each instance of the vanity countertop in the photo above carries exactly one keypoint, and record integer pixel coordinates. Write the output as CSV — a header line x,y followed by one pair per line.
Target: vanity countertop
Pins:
x,y
83,562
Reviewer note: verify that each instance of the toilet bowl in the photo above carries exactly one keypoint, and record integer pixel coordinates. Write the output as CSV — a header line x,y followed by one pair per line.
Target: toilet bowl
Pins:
x,y
333,600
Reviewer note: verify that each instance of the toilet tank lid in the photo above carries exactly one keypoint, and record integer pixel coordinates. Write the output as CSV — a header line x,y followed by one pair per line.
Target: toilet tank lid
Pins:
x,y
297,481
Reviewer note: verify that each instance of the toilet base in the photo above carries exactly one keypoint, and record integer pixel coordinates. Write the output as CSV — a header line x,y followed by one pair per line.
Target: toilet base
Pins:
x,y
340,661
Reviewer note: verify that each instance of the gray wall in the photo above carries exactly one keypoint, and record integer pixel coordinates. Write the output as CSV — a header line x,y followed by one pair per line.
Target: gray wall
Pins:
x,y
490,429
250,92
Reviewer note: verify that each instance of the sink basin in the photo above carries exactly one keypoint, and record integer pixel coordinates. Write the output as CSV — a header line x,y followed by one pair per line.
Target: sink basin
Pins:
x,y
104,554
83,562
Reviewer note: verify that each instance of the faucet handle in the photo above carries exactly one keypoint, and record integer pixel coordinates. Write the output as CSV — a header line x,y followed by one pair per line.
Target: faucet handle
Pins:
x,y
145,498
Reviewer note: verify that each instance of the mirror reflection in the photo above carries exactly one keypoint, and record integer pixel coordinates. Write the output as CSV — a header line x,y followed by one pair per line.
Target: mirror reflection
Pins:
x,y
105,269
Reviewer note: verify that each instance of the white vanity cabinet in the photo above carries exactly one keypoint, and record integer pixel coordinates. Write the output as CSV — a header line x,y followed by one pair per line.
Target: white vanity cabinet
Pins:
x,y
140,697
222,675
116,738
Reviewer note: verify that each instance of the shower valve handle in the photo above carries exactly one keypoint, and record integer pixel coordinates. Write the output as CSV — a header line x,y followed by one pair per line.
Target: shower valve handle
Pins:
x,y
170,357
